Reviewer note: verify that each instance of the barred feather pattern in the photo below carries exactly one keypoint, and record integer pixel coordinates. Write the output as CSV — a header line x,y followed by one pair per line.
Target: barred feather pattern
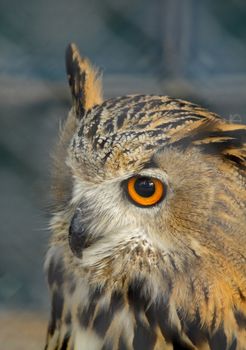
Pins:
x,y
170,277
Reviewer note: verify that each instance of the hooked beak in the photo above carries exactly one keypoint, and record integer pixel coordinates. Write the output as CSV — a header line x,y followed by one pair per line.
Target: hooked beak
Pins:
x,y
79,237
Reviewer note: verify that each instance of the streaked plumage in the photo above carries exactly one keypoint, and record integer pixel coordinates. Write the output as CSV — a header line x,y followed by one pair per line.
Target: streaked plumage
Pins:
x,y
171,276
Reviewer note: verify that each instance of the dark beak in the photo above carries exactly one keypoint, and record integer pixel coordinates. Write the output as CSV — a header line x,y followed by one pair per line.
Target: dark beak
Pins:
x,y
78,234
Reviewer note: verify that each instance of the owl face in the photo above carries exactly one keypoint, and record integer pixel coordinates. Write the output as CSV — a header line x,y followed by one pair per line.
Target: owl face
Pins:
x,y
141,204
148,244
151,189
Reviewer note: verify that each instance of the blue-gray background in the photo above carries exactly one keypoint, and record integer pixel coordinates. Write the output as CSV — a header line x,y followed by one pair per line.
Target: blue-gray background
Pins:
x,y
184,48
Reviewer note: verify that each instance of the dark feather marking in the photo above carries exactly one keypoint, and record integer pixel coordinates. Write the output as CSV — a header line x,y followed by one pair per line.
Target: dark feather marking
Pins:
x,y
218,147
109,127
181,104
161,141
117,301
236,160
144,337
226,207
97,110
107,155
159,314
233,345
169,284
182,113
153,113
194,116
68,318
96,114
135,295
122,345
154,132
149,147
74,143
242,297
237,135
173,100
121,100
214,147
155,144
85,315
173,124
197,334
104,317
139,116
71,283
192,286
56,273
151,316
150,164
241,319
80,133
181,346
213,323
182,144
93,129
99,145
206,131
218,340
172,263
136,98
142,126
107,346
81,146
155,102
138,107
135,133
181,316
56,310
194,253
65,341
76,79
122,116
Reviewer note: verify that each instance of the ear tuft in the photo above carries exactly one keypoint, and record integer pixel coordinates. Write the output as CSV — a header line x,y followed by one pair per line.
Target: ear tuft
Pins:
x,y
84,81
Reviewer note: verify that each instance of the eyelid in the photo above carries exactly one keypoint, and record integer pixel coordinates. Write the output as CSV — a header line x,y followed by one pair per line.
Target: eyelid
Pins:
x,y
153,173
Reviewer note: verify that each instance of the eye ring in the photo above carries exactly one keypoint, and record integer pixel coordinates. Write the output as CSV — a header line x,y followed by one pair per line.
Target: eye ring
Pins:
x,y
145,191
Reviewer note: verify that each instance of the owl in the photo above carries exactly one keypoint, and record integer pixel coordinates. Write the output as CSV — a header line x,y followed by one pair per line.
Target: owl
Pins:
x,y
148,247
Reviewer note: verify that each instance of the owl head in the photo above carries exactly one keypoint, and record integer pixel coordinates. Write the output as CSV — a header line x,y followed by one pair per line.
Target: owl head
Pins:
x,y
149,189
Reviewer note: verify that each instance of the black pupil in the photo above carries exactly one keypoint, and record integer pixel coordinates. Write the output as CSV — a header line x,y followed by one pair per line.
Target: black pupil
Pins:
x,y
144,186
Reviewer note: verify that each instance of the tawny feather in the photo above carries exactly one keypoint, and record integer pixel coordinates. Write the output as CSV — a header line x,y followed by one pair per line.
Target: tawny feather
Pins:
x,y
171,276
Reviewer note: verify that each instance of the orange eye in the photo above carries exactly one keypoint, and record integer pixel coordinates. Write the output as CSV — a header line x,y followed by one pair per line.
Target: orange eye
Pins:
x,y
145,191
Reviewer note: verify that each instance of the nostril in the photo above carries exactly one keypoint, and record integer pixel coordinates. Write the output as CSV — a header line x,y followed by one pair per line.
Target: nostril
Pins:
x,y
78,235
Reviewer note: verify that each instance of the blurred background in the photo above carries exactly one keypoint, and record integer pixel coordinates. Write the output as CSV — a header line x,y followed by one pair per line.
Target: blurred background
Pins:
x,y
191,49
